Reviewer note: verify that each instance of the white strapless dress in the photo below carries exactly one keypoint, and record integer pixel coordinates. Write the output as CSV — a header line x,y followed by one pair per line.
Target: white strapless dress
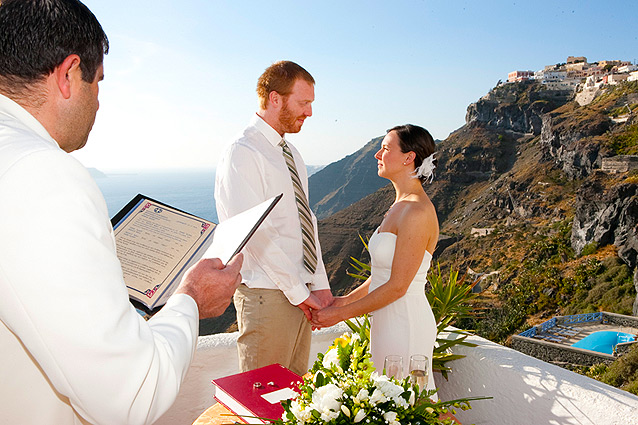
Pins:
x,y
406,326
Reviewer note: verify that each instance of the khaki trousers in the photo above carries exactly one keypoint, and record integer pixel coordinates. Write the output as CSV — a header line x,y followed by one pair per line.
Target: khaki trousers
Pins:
x,y
271,330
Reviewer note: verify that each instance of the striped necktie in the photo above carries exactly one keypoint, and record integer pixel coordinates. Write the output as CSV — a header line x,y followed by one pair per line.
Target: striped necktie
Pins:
x,y
305,217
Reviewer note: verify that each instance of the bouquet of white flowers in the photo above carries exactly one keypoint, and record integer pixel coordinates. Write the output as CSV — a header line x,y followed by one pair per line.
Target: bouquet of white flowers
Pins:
x,y
343,388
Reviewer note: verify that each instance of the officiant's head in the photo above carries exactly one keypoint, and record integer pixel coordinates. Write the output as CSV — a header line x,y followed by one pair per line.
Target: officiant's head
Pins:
x,y
286,92
51,55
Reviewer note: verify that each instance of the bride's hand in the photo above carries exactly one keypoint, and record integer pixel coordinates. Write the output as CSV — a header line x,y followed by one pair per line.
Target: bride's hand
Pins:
x,y
326,317
339,302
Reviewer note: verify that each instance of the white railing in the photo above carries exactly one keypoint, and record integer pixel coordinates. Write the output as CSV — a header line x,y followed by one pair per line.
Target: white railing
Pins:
x,y
525,390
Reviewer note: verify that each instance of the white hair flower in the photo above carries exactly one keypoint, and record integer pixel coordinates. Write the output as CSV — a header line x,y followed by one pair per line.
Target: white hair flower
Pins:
x,y
426,169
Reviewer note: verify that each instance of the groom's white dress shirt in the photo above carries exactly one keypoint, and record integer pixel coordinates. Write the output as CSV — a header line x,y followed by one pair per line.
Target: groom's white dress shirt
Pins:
x,y
73,350
251,171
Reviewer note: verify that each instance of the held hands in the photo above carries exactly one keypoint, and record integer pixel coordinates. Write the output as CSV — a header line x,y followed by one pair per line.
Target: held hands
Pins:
x,y
316,301
211,284
311,303
330,315
324,296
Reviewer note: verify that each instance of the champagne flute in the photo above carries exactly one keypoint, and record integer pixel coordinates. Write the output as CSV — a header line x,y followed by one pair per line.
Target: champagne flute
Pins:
x,y
393,366
419,370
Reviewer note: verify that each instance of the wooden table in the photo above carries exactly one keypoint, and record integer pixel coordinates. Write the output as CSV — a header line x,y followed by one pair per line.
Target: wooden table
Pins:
x,y
217,414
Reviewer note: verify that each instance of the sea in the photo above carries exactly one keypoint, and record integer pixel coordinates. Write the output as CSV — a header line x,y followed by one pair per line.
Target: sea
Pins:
x,y
188,190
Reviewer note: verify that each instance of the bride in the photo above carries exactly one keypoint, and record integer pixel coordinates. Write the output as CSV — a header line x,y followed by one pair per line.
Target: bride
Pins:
x,y
401,251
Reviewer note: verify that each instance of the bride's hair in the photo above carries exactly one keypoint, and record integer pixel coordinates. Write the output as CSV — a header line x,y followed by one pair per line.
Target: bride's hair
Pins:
x,y
413,138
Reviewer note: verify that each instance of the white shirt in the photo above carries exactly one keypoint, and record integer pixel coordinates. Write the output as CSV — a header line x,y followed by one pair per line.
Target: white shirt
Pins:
x,y
74,351
252,170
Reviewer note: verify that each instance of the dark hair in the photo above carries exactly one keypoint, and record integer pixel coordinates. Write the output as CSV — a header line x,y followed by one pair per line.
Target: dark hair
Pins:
x,y
280,77
37,35
413,138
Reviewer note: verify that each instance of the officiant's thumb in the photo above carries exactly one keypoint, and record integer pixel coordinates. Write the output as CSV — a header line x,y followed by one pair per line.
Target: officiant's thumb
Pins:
x,y
236,262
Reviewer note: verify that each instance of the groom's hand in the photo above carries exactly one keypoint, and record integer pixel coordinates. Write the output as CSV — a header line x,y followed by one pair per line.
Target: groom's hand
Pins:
x,y
311,303
324,296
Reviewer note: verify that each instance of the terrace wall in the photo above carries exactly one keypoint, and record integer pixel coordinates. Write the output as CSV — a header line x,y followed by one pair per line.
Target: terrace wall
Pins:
x,y
525,390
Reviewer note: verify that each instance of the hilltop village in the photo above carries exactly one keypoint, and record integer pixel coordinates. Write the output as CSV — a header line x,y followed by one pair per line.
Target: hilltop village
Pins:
x,y
577,74
586,81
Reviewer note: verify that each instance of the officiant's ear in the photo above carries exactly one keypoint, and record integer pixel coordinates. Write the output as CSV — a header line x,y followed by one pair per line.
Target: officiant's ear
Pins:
x,y
66,74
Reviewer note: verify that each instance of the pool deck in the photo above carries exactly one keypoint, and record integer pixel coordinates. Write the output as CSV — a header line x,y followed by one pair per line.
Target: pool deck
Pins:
x,y
570,334
552,341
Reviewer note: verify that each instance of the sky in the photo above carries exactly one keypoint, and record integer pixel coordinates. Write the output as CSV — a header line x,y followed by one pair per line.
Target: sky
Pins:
x,y
180,76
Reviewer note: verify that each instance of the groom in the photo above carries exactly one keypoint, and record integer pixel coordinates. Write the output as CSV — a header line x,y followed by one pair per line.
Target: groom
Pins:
x,y
284,275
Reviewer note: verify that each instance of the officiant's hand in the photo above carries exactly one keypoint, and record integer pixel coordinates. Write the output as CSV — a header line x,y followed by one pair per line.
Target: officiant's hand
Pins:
x,y
211,284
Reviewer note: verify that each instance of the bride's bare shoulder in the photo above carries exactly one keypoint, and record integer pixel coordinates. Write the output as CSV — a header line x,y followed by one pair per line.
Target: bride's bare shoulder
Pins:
x,y
421,211
422,206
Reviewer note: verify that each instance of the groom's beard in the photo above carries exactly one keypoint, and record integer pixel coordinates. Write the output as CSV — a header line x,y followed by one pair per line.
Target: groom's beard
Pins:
x,y
288,121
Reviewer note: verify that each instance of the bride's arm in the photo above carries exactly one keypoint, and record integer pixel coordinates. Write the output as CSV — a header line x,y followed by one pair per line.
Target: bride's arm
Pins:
x,y
415,230
355,295
331,314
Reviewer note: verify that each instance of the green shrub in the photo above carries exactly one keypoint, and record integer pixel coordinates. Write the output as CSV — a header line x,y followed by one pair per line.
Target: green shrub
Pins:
x,y
606,285
589,249
632,387
597,371
623,373
625,143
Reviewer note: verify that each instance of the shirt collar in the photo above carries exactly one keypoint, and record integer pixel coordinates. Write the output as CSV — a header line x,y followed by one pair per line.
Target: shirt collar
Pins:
x,y
12,109
264,128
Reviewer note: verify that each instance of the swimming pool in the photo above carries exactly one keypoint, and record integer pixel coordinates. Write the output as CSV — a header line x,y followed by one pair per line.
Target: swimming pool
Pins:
x,y
603,341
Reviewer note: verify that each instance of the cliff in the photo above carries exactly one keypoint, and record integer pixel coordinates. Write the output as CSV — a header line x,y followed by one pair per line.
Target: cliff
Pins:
x,y
606,213
555,177
579,139
516,107
527,165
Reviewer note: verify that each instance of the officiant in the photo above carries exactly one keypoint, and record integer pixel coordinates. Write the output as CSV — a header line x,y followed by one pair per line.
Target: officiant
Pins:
x,y
74,350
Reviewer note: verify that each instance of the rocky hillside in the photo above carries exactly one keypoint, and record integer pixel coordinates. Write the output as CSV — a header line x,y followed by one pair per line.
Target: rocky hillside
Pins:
x,y
516,107
341,183
526,170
